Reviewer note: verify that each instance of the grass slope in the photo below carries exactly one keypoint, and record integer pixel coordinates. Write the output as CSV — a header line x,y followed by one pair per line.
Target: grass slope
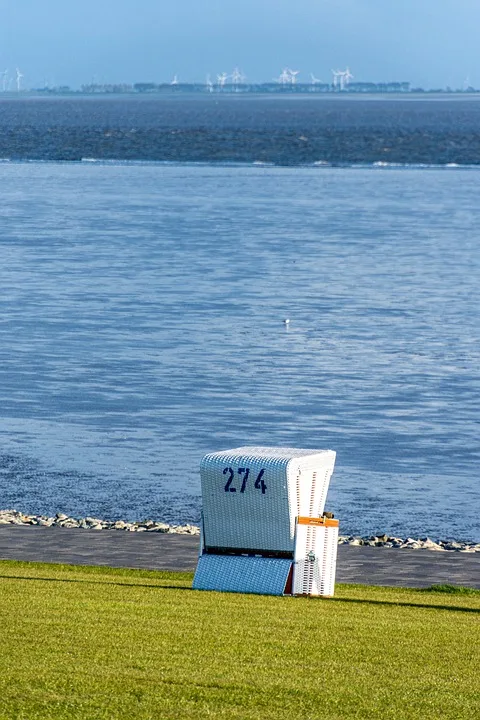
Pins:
x,y
82,642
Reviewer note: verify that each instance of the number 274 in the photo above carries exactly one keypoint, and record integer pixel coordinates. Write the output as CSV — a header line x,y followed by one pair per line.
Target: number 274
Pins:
x,y
244,473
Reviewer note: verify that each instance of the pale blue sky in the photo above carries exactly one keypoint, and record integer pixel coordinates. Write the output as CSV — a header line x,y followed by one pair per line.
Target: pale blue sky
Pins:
x,y
433,43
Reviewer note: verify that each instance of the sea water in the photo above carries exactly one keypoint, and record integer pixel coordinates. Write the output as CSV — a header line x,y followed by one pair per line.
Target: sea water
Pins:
x,y
142,325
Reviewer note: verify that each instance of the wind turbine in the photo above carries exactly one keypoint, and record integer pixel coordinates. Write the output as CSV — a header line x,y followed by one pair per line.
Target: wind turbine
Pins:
x,y
237,78
209,84
284,77
347,76
19,79
336,75
315,80
222,79
293,76
175,80
4,75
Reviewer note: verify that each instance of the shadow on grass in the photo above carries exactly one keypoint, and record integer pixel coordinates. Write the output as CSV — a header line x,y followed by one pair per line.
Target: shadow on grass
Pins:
x,y
359,601
94,582
159,586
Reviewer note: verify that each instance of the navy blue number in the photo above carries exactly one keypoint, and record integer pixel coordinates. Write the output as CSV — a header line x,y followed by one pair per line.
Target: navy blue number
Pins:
x,y
259,482
229,481
245,472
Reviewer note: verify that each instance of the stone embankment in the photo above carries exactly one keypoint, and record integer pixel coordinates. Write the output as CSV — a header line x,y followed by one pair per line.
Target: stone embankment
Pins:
x,y
13,517
424,543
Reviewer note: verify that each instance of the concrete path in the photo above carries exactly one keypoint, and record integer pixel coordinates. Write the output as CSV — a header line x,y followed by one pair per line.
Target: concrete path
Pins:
x,y
157,551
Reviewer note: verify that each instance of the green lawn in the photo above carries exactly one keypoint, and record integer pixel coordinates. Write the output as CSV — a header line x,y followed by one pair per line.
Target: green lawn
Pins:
x,y
99,643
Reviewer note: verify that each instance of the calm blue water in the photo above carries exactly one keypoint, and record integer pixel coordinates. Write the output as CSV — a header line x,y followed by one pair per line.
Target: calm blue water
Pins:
x,y
294,130
141,325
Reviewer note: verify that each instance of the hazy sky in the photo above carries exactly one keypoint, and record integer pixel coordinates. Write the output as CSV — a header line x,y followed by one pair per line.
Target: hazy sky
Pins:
x,y
433,43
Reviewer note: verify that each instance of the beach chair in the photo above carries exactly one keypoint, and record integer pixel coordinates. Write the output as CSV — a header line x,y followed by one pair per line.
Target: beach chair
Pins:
x,y
263,524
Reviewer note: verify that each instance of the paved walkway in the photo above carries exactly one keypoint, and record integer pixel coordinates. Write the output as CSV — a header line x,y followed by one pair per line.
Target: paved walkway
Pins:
x,y
157,551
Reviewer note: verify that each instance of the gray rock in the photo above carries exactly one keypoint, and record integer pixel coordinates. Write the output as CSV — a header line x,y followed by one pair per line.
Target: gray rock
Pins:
x,y
91,521
69,523
45,521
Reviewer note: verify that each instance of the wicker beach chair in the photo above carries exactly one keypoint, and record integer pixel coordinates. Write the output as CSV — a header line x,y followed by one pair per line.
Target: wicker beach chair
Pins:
x,y
263,529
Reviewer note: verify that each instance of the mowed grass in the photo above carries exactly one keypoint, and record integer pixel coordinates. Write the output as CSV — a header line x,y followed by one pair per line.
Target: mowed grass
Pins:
x,y
82,642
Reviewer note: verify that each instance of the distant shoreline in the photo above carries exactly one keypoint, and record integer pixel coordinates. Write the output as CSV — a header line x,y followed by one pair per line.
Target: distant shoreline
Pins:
x,y
271,94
